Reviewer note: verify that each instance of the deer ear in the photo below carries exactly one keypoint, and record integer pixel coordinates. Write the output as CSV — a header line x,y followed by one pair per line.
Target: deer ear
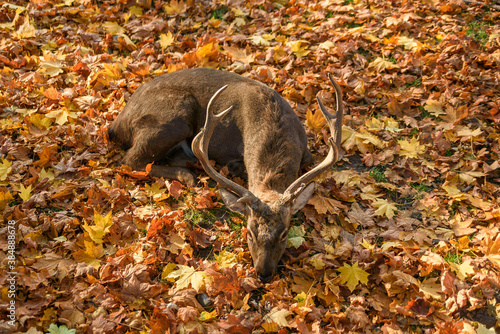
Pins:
x,y
231,201
303,197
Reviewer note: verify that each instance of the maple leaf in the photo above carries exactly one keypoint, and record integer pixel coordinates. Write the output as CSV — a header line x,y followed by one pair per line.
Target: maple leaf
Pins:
x,y
185,276
462,270
434,107
295,236
381,64
166,40
5,169
26,30
90,255
61,115
412,148
49,174
409,43
25,192
5,199
174,7
315,121
260,39
40,121
113,28
100,228
208,316
325,204
384,208
298,49
226,259
353,275
52,93
277,316
52,68
155,191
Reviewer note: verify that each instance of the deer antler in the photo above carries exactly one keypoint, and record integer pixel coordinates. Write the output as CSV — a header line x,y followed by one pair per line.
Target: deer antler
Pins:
x,y
335,125
200,150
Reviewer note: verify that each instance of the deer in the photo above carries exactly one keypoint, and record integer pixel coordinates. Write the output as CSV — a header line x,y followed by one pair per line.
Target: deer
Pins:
x,y
257,136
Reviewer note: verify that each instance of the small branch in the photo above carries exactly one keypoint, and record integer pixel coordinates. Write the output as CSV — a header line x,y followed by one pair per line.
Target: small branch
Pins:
x,y
483,4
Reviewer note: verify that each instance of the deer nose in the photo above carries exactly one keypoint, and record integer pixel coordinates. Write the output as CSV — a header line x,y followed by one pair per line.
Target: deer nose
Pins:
x,y
265,279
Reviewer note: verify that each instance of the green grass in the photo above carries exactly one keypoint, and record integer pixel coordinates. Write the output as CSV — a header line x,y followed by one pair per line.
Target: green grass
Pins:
x,y
453,258
415,83
476,31
420,187
219,12
377,173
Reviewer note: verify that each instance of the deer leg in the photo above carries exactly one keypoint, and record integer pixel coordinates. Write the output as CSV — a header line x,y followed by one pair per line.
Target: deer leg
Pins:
x,y
152,145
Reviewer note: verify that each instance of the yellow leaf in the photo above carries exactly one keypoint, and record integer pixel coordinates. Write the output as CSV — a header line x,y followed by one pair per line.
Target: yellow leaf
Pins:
x,y
366,244
100,228
315,121
186,276
175,7
112,71
384,208
226,259
462,270
26,30
166,40
25,193
113,28
52,68
49,174
352,276
239,21
409,43
5,169
381,64
327,45
90,255
298,49
155,191
170,267
277,316
207,316
434,107
5,199
40,121
260,39
135,10
61,115
411,149
205,51
301,299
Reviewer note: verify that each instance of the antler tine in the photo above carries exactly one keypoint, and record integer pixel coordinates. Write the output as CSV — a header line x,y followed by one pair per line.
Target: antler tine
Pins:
x,y
200,150
335,124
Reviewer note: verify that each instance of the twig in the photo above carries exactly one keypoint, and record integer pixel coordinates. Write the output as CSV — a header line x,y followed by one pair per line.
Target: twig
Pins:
x,y
483,4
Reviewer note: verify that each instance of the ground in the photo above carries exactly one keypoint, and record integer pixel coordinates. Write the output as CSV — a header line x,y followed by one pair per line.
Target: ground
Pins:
x,y
401,236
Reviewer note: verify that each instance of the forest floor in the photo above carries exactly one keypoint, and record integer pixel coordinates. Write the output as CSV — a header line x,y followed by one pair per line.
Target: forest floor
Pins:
x,y
401,236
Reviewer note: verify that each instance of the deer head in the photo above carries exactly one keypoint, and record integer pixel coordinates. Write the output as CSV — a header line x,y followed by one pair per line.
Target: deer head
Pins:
x,y
268,213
